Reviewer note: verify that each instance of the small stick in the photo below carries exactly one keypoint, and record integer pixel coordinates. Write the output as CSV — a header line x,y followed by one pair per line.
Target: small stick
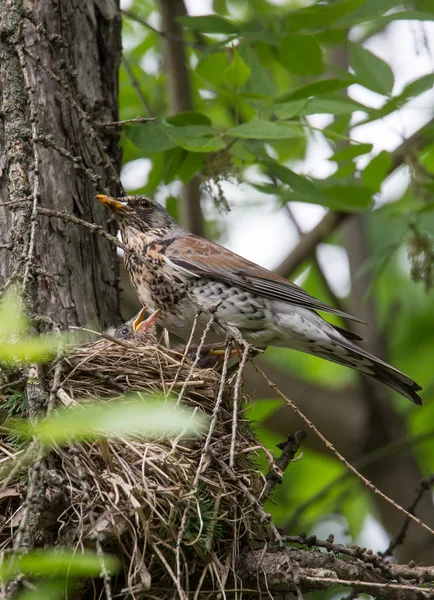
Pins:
x,y
330,447
289,450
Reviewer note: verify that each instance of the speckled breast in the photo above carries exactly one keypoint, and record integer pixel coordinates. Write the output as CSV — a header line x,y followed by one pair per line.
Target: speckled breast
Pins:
x,y
153,287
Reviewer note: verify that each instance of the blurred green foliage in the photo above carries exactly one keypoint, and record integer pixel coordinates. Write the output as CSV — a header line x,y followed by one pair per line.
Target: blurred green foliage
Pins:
x,y
61,568
133,416
17,344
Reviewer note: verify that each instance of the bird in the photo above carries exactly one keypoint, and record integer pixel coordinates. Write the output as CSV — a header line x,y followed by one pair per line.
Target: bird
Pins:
x,y
138,329
178,272
141,331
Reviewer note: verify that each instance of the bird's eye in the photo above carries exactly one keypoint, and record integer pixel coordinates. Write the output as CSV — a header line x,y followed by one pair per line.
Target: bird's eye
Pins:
x,y
125,331
146,204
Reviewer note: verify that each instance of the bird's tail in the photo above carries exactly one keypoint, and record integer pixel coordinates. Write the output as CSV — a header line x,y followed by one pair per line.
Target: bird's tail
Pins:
x,y
362,361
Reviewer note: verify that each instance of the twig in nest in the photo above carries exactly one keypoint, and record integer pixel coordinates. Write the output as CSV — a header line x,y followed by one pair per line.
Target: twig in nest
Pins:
x,y
236,399
265,517
289,450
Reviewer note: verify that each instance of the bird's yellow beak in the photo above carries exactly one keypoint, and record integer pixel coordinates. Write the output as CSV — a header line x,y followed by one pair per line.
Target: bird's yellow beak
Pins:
x,y
111,203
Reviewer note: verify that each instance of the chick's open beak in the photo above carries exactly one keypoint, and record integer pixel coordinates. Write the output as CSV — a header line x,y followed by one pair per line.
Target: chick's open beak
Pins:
x,y
112,203
142,324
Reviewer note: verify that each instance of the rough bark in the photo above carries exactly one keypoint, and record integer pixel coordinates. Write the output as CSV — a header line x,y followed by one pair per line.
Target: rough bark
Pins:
x,y
285,570
71,64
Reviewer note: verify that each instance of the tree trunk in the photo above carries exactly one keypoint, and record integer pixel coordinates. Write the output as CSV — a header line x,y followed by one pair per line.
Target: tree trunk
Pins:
x,y
57,82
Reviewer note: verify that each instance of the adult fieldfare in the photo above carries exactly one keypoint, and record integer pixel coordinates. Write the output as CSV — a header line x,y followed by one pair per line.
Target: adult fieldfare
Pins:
x,y
181,271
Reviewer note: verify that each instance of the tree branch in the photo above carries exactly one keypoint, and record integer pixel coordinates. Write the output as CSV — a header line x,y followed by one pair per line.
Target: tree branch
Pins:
x,y
308,243
289,450
281,570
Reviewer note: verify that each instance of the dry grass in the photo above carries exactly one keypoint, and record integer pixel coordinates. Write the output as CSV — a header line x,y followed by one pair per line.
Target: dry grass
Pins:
x,y
173,515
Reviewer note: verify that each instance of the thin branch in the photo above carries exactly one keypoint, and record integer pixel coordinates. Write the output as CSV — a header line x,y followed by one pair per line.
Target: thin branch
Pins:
x,y
336,302
131,15
85,120
215,414
125,121
369,459
308,243
330,447
424,486
36,193
91,226
236,400
136,85
289,450
265,517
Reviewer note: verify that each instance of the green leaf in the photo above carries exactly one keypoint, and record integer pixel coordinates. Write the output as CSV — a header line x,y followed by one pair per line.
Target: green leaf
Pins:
x,y
196,138
317,88
370,70
376,171
131,416
355,508
259,83
173,159
407,15
212,68
345,196
209,24
49,563
298,183
427,158
334,105
38,348
351,152
301,54
330,193
414,88
259,129
237,73
334,195
150,137
369,10
188,118
192,164
286,110
14,344
321,15
418,86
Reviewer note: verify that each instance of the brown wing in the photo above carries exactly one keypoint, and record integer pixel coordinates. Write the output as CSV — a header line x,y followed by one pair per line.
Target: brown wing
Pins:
x,y
203,258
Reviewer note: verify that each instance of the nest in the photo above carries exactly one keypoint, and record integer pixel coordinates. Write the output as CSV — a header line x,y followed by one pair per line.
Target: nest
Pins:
x,y
175,517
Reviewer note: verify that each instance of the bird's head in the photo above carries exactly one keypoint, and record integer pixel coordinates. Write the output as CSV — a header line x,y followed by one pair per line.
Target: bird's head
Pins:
x,y
137,328
138,212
